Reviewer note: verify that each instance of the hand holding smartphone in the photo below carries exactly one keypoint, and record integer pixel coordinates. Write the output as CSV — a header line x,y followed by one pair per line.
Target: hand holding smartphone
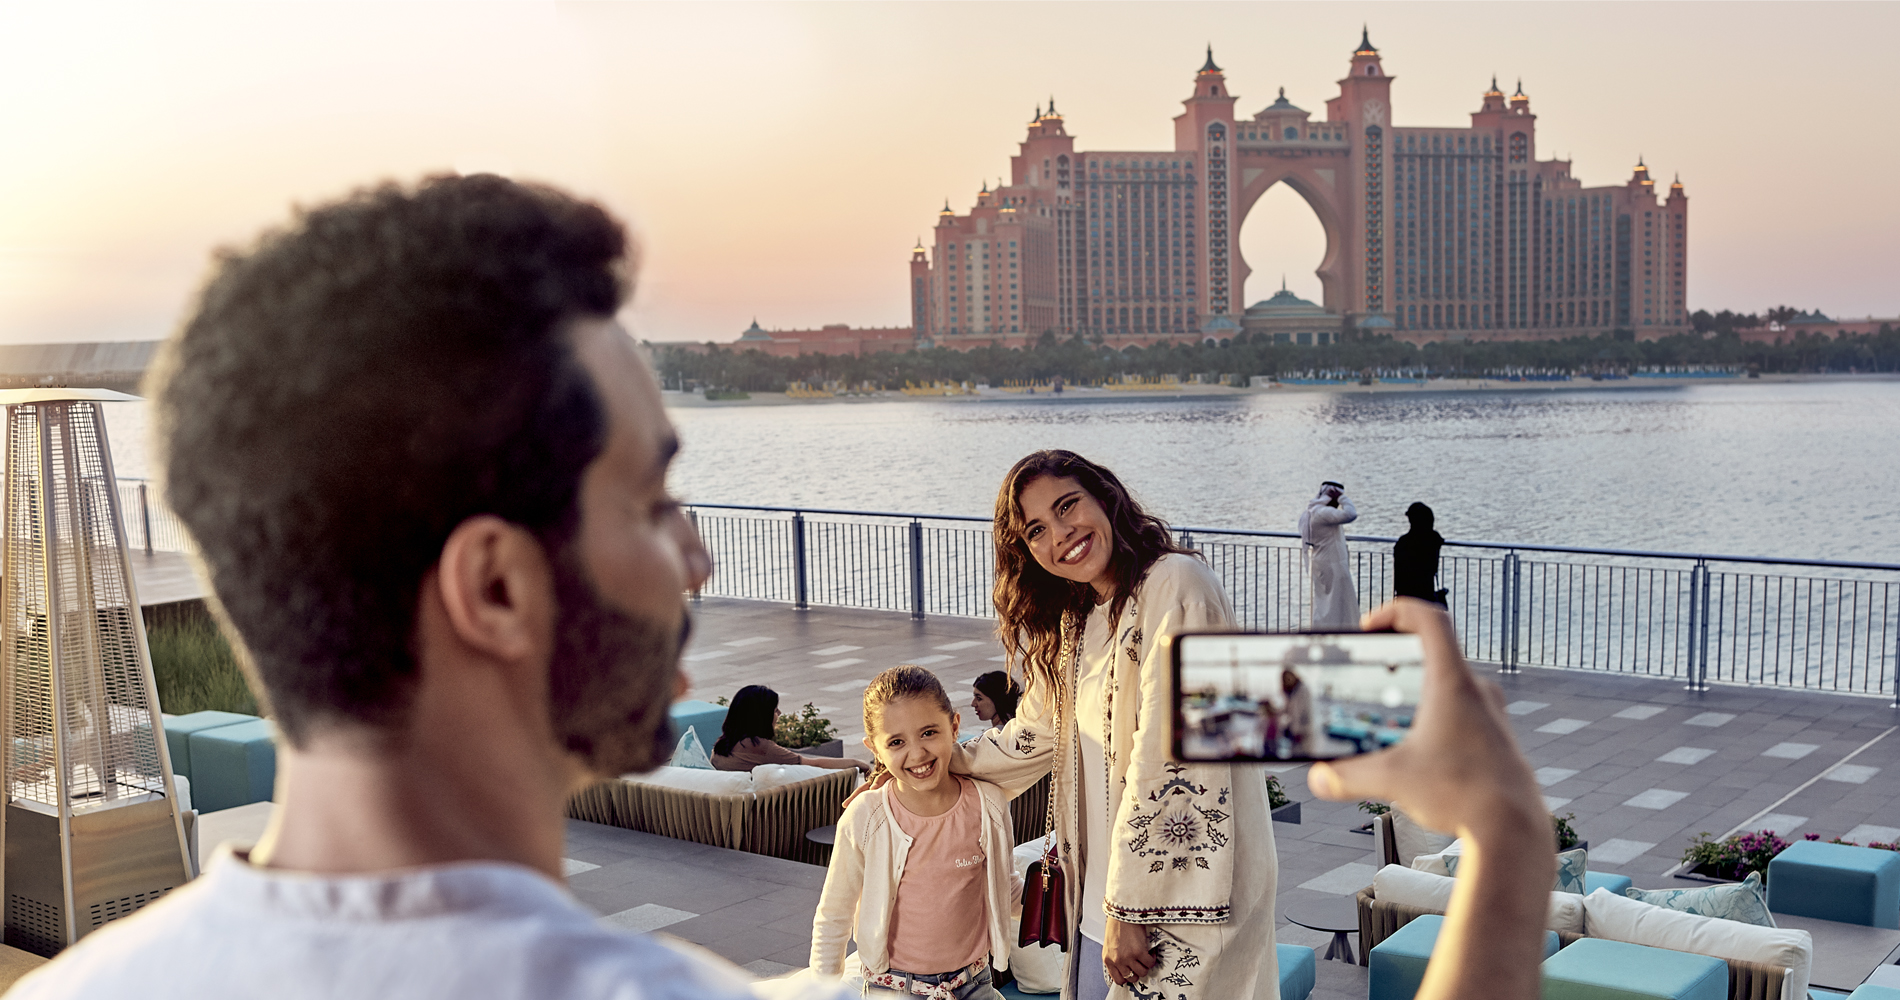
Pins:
x,y
1292,696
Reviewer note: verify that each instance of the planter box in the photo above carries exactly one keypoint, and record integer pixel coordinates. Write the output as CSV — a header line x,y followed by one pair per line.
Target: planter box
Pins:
x,y
1713,873
833,749
1289,813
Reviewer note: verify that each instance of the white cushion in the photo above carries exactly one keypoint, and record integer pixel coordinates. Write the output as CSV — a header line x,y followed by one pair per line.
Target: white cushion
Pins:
x,y
1429,891
1620,918
692,779
1406,887
767,776
1412,840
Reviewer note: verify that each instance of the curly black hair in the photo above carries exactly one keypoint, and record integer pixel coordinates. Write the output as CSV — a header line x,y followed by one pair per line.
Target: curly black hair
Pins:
x,y
351,388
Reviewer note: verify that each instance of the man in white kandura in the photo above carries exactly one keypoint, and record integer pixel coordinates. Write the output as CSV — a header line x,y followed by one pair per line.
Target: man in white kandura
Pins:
x,y
1323,535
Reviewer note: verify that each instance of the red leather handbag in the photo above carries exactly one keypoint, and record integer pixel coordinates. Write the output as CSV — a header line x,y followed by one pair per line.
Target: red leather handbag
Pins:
x,y
1045,884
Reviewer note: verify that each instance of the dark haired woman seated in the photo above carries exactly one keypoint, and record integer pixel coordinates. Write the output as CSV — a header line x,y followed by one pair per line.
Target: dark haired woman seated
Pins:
x,y
746,741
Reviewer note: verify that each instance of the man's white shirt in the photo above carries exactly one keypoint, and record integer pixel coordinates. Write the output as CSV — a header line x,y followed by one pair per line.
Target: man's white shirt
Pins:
x,y
470,930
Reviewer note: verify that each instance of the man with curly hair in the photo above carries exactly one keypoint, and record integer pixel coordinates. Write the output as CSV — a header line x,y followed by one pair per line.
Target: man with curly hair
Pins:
x,y
426,473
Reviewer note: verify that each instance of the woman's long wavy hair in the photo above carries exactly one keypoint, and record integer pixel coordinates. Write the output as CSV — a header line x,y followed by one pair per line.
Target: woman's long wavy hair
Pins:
x,y
1030,601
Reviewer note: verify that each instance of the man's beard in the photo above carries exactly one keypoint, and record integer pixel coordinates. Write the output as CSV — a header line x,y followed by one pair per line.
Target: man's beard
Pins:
x,y
612,677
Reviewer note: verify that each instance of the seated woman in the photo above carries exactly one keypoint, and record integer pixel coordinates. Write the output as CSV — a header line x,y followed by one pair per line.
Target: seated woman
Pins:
x,y
994,697
746,741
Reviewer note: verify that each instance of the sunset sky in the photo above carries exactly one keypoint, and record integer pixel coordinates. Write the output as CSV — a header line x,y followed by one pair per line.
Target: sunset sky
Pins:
x,y
779,160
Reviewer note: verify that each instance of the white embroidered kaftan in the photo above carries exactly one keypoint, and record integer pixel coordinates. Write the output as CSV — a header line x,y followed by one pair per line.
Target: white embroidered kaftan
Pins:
x,y
1190,851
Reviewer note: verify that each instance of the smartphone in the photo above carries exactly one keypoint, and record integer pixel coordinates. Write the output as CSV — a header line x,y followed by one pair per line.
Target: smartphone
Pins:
x,y
1292,696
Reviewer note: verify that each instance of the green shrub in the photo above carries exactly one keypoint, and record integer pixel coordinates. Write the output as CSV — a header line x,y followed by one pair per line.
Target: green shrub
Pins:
x,y
1276,793
1566,834
1372,808
196,670
806,729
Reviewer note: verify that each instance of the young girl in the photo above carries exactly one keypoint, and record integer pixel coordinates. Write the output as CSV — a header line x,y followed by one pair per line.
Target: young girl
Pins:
x,y
921,869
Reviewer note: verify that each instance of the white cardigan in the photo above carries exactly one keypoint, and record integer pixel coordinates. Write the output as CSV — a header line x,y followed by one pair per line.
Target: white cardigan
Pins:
x,y
867,862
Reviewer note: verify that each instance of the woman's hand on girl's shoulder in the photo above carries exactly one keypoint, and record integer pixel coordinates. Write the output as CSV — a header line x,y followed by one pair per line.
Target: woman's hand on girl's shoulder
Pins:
x,y
878,778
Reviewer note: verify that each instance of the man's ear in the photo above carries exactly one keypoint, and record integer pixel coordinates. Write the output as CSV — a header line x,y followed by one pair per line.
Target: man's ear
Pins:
x,y
496,588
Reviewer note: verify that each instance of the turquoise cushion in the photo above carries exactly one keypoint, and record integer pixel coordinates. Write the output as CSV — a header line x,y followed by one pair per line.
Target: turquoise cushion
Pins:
x,y
233,765
707,718
1592,881
1743,902
1868,991
1396,966
1599,969
1298,971
1852,885
178,730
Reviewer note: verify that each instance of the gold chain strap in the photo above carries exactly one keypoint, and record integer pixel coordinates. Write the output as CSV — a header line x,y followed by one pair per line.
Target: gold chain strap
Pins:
x,y
1064,658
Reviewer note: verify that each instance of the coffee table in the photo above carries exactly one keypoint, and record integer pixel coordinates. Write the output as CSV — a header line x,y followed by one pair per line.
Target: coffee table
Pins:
x,y
1339,915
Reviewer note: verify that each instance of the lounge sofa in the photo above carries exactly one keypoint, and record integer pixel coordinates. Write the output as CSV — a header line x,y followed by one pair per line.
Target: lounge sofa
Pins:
x,y
766,811
1763,963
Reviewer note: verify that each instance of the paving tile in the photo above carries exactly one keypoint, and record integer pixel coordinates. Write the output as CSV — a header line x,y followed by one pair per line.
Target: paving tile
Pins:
x,y
571,867
1640,712
924,661
835,650
1563,726
1525,707
1551,775
1784,824
1656,798
835,664
1852,774
1790,751
1867,833
951,647
1343,880
1686,755
752,640
711,654
1617,851
856,685
1552,803
649,917
1709,719
766,969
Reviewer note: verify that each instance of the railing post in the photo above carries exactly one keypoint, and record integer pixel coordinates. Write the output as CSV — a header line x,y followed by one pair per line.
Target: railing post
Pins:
x,y
1696,612
1702,655
1517,606
145,517
693,517
1507,615
917,570
1187,539
800,584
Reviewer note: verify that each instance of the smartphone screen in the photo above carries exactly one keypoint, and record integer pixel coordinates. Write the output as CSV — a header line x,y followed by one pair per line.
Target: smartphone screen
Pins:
x,y
1293,696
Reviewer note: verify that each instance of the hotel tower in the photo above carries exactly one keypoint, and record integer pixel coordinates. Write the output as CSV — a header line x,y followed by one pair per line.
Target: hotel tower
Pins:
x,y
1431,233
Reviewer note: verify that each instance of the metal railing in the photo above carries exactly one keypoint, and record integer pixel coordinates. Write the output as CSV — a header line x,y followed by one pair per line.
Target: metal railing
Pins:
x,y
1697,618
150,525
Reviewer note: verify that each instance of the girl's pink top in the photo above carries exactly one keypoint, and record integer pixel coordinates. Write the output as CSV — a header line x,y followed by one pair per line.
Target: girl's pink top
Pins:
x,y
940,919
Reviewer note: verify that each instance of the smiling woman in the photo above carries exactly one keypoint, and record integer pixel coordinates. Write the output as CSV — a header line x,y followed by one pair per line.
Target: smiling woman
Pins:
x,y
1177,862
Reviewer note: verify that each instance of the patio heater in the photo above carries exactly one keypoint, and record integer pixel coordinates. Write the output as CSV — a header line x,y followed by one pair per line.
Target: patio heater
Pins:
x,y
91,823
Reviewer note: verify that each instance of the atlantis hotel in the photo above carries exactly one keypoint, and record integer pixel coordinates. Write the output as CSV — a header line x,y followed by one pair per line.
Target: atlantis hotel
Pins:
x,y
1431,233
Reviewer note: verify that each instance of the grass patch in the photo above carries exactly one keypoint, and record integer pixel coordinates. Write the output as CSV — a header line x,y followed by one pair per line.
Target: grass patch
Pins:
x,y
196,670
